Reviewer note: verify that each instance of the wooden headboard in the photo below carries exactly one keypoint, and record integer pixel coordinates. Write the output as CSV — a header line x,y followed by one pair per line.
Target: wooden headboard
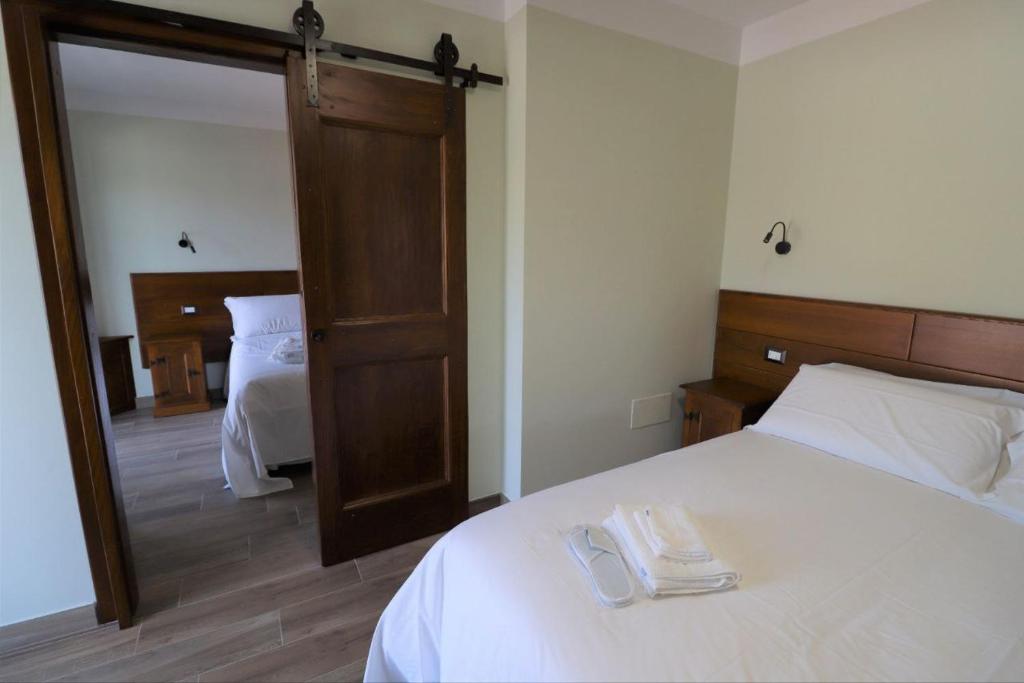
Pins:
x,y
945,347
160,299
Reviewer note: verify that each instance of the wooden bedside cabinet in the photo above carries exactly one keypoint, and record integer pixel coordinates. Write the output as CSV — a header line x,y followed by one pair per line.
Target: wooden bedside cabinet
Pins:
x,y
179,376
116,359
721,406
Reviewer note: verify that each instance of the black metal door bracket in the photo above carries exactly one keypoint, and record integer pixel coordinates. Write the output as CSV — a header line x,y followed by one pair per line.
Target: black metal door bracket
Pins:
x,y
310,25
447,55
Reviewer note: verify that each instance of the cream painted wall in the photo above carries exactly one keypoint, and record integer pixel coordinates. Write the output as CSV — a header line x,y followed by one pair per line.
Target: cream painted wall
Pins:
x,y
626,168
515,227
895,150
43,564
142,180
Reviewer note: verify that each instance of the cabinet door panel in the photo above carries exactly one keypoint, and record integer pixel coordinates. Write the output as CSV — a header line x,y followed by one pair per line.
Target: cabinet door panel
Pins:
x,y
179,378
705,417
713,423
691,427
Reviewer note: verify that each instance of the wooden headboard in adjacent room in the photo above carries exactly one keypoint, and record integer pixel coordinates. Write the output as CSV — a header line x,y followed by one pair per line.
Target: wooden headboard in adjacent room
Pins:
x,y
161,299
945,347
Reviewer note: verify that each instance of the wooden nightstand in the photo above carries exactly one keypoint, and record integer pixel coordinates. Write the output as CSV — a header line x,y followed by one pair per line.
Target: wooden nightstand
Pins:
x,y
179,376
116,359
721,406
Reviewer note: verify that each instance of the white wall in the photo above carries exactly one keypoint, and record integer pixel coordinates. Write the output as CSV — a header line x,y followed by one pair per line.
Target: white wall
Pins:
x,y
624,192
894,150
43,565
142,180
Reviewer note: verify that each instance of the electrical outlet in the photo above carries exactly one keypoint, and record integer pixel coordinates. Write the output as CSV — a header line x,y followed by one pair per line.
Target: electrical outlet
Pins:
x,y
775,355
651,410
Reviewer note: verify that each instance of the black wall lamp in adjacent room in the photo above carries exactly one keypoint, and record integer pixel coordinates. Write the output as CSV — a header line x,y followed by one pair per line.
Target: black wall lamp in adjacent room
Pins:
x,y
186,242
783,247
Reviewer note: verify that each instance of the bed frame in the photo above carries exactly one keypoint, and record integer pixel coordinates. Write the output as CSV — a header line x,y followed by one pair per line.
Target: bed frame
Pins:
x,y
932,345
161,300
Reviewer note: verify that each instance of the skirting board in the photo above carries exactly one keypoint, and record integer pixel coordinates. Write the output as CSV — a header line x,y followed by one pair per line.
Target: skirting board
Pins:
x,y
486,503
42,629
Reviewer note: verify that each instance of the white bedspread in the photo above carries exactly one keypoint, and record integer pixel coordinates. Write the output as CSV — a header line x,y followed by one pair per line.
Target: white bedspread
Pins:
x,y
267,421
849,573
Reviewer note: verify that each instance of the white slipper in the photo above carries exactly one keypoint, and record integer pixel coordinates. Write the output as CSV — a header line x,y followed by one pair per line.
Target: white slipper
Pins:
x,y
599,557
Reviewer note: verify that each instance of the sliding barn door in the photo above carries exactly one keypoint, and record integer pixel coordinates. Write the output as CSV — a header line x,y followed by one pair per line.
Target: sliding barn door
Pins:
x,y
380,186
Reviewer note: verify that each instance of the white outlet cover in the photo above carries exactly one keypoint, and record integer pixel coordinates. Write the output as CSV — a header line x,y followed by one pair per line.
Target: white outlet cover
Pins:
x,y
651,410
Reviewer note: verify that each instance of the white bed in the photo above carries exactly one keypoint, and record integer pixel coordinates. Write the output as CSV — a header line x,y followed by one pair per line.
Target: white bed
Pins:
x,y
849,573
267,422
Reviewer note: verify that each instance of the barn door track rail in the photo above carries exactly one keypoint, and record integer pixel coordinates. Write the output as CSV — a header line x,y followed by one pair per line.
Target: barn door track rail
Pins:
x,y
446,56
310,43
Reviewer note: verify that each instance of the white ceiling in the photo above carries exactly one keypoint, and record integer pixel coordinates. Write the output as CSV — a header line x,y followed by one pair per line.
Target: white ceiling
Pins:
x,y
734,31
738,13
97,79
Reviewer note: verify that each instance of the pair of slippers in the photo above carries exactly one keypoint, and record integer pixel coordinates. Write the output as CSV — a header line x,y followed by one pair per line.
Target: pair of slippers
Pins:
x,y
601,560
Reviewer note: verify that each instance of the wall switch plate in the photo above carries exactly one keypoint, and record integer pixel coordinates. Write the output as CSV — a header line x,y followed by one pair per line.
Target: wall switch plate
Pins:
x,y
188,310
651,410
775,355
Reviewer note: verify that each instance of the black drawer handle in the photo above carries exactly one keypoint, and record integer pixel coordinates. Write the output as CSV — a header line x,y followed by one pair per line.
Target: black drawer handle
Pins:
x,y
692,415
319,335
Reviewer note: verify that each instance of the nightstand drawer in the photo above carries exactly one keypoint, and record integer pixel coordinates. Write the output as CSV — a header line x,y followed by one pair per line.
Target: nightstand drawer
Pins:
x,y
721,406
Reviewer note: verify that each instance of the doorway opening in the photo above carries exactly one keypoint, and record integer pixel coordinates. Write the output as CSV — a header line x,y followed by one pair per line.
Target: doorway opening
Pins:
x,y
182,174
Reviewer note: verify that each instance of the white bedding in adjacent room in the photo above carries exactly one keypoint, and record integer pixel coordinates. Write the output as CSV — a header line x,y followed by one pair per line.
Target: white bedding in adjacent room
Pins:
x,y
268,419
849,573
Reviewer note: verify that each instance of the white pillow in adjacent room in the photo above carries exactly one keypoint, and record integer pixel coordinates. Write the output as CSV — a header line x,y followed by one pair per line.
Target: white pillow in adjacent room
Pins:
x,y
948,441
254,316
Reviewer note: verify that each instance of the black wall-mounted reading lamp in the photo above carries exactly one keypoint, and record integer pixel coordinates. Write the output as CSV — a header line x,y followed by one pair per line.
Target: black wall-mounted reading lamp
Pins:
x,y
186,242
783,247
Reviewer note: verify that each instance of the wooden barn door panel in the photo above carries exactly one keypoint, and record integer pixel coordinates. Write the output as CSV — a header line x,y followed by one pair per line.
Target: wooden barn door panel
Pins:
x,y
380,183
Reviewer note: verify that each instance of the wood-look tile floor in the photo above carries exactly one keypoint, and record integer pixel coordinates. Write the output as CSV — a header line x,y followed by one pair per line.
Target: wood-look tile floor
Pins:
x,y
230,589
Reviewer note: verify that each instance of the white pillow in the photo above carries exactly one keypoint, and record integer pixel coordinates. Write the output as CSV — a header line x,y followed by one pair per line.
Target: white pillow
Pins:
x,y
254,316
950,442
1003,396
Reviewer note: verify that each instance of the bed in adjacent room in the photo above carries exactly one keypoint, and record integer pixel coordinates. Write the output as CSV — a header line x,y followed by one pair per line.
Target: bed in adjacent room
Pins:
x,y
877,522
268,420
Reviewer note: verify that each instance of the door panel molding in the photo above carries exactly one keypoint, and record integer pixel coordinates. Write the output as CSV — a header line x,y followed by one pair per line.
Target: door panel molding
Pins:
x,y
380,190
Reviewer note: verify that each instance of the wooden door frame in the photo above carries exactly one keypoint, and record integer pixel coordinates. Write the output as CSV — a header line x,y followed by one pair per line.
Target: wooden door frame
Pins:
x,y
30,27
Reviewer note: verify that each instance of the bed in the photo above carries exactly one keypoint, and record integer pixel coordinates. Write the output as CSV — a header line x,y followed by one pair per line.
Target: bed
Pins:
x,y
268,421
856,565
849,573
239,317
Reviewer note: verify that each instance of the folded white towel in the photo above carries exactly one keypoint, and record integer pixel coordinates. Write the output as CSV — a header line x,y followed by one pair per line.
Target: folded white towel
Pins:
x,y
289,351
672,533
660,576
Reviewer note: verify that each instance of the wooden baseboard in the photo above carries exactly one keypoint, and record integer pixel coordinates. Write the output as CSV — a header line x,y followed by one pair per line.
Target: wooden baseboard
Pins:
x,y
51,627
486,503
